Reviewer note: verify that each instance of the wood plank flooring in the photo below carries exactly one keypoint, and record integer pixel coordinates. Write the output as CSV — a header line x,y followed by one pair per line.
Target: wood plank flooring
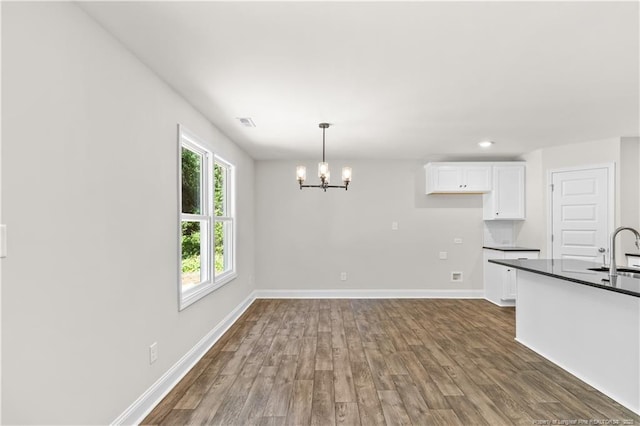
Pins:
x,y
377,362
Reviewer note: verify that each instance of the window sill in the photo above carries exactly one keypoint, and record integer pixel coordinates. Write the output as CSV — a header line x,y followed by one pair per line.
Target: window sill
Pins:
x,y
225,278
191,296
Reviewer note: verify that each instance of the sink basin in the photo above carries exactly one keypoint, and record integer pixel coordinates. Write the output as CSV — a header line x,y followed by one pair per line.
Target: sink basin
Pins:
x,y
620,269
623,272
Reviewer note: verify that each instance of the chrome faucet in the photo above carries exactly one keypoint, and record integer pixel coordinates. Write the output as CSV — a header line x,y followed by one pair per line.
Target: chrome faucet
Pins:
x,y
613,269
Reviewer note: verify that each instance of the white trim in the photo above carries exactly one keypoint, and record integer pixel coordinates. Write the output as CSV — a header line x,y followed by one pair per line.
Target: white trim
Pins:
x,y
611,177
503,303
142,406
0,220
207,218
369,294
230,216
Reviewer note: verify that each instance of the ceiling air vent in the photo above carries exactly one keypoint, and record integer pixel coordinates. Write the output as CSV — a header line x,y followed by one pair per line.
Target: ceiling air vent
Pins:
x,y
246,121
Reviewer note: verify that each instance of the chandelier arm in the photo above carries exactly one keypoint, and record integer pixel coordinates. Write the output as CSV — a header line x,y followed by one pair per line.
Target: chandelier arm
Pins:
x,y
324,186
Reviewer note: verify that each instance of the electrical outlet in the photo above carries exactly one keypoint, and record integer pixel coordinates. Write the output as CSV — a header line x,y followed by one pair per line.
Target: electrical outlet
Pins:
x,y
443,255
457,240
153,353
394,226
343,276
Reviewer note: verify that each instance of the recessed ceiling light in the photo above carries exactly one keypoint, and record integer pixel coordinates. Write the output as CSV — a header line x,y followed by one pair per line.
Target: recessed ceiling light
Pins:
x,y
246,121
485,144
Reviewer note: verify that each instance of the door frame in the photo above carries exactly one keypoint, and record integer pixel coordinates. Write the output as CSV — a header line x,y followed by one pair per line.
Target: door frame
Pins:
x,y
611,211
0,222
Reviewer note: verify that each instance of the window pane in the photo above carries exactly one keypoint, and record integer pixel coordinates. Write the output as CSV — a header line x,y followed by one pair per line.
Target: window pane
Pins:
x,y
191,181
220,195
223,239
194,240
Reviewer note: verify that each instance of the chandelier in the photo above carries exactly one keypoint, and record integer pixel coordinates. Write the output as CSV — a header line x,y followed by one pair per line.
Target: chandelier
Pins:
x,y
323,171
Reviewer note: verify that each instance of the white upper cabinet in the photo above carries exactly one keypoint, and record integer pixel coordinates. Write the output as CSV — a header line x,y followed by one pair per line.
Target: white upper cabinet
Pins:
x,y
448,178
507,199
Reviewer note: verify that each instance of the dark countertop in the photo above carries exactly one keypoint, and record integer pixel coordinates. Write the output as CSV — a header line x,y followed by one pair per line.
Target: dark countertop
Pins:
x,y
632,254
576,271
509,248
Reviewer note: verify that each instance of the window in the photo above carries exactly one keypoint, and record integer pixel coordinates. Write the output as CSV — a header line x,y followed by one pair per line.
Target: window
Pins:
x,y
207,225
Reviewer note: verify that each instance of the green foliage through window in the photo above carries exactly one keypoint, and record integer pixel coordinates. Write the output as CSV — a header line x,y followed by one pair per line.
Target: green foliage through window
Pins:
x,y
191,181
191,244
219,207
206,218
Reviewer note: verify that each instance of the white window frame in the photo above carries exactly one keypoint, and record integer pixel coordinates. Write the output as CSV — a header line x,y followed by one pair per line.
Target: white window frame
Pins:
x,y
212,282
229,218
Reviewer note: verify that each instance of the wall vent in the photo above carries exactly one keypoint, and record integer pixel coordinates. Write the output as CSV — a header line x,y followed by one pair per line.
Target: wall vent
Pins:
x,y
456,277
246,121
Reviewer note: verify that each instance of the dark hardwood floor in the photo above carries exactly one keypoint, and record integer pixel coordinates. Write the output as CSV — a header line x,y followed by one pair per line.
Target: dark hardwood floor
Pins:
x,y
376,362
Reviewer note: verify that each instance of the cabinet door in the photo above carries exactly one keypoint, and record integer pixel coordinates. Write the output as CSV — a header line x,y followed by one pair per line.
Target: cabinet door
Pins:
x,y
477,179
508,192
462,177
510,282
494,278
633,261
509,289
447,178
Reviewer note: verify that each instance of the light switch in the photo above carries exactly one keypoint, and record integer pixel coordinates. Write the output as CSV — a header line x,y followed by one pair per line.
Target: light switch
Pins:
x,y
3,241
394,226
457,240
443,255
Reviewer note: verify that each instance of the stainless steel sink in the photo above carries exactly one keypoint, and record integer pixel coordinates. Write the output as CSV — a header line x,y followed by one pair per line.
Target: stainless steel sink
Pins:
x,y
626,272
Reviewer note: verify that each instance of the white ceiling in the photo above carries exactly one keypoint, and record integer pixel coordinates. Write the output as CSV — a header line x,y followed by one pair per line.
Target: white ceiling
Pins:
x,y
395,79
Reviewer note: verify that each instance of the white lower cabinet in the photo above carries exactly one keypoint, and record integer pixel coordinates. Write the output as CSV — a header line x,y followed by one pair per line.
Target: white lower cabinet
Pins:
x,y
501,282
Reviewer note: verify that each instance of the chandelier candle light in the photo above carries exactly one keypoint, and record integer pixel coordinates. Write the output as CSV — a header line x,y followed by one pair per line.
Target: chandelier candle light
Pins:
x,y
323,171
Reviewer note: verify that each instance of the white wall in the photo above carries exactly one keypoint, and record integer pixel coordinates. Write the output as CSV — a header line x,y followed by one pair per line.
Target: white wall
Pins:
x,y
531,232
304,239
620,151
89,188
629,191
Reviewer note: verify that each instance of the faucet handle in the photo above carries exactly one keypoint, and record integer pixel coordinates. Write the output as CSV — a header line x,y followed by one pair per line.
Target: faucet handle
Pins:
x,y
604,256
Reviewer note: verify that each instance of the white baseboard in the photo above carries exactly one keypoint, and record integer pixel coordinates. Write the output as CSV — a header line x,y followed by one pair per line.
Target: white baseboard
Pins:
x,y
502,305
369,294
142,406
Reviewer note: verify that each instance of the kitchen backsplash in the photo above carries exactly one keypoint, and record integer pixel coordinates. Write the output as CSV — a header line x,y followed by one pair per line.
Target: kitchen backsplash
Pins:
x,y
499,233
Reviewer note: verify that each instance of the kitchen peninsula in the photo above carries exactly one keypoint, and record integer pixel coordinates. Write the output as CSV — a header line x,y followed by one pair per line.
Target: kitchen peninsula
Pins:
x,y
578,319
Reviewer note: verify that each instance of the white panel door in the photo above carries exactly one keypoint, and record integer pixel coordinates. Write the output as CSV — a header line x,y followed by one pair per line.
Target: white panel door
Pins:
x,y
580,214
